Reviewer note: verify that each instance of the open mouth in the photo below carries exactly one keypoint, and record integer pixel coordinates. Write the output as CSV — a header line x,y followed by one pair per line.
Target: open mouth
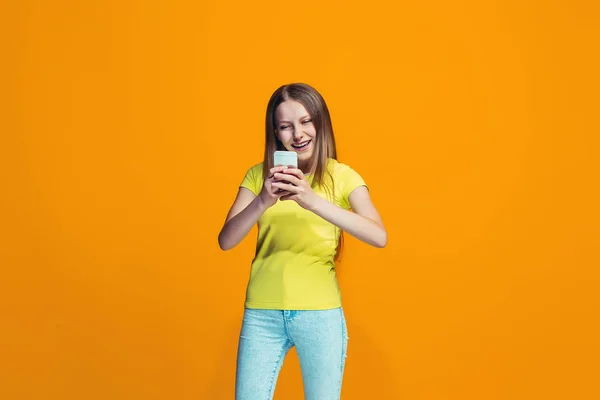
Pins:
x,y
301,146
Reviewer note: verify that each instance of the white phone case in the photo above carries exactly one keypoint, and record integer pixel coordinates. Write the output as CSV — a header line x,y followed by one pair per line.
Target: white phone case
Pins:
x,y
286,158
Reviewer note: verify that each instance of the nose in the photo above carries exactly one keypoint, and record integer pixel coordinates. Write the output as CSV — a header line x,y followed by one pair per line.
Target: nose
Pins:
x,y
298,133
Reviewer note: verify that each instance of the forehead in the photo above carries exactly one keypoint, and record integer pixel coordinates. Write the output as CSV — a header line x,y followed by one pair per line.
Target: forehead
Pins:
x,y
290,110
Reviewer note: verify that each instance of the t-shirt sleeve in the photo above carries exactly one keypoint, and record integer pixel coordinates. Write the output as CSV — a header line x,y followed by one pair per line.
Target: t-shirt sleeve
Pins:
x,y
253,179
350,180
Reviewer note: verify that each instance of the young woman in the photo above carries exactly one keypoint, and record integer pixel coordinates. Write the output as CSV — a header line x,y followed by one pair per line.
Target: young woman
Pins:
x,y
293,298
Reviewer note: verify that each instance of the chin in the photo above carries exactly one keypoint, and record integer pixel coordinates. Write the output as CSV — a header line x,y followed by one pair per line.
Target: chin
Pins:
x,y
304,156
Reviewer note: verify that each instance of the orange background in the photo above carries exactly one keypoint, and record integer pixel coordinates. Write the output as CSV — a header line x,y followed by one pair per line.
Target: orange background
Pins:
x,y
127,126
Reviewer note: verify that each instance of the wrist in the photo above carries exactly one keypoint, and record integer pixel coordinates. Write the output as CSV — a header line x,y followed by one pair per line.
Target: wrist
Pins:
x,y
316,205
262,203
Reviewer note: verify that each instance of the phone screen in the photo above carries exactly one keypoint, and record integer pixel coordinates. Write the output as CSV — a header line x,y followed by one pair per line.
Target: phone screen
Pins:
x,y
286,158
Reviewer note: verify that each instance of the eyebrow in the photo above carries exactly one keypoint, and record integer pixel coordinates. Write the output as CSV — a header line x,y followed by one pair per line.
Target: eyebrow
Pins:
x,y
285,120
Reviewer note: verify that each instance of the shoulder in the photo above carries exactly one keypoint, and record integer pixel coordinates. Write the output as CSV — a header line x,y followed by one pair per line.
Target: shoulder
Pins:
x,y
347,179
253,179
340,170
255,171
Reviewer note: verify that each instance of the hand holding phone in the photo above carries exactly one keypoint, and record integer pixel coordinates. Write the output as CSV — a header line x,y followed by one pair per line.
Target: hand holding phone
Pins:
x,y
286,159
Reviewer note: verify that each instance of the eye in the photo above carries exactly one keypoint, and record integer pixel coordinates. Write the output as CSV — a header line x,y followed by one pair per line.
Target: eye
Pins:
x,y
282,127
306,122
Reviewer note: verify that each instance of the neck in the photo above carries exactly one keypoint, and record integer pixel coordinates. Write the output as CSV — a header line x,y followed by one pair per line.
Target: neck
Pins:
x,y
306,167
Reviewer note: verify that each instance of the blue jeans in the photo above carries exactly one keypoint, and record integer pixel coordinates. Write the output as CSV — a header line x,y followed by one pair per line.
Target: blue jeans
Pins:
x,y
321,341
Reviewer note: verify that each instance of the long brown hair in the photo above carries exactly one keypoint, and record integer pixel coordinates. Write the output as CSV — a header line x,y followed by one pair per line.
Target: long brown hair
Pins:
x,y
324,139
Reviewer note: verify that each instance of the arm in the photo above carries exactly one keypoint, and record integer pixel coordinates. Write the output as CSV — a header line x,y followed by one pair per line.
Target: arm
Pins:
x,y
364,223
246,210
244,213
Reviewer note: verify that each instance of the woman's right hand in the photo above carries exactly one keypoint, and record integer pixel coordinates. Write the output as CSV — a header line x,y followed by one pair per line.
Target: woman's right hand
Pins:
x,y
269,194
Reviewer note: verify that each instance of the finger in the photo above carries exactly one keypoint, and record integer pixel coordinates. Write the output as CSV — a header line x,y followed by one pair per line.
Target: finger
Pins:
x,y
280,192
277,168
274,170
288,196
287,178
286,186
294,171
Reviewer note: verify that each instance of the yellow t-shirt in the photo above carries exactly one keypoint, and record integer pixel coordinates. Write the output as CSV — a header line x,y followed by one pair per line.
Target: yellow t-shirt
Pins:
x,y
294,268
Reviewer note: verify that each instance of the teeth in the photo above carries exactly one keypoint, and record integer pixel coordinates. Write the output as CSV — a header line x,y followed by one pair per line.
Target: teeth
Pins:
x,y
301,146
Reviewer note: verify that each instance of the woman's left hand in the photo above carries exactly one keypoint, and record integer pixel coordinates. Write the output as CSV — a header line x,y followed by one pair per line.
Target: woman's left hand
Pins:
x,y
293,181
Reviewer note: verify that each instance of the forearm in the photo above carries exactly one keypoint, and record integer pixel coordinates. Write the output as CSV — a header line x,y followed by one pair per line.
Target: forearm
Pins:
x,y
238,227
360,227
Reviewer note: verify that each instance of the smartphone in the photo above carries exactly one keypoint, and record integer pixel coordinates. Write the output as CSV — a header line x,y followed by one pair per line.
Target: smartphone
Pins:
x,y
287,158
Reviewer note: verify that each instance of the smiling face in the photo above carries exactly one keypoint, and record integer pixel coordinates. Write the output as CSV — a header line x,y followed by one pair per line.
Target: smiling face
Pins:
x,y
296,131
